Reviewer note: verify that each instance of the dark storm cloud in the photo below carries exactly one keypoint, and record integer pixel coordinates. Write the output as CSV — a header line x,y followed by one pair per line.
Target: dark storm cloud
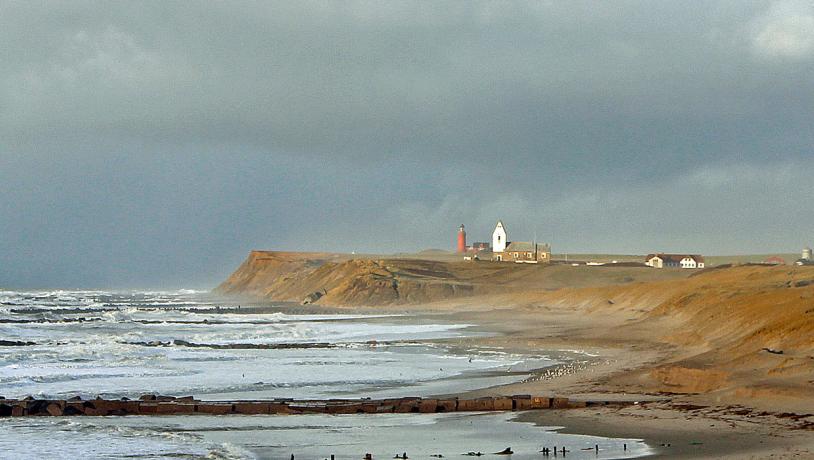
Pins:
x,y
153,143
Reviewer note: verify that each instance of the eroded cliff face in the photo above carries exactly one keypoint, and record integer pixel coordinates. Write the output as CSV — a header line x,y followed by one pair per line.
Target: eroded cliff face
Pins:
x,y
338,280
345,280
267,275
740,331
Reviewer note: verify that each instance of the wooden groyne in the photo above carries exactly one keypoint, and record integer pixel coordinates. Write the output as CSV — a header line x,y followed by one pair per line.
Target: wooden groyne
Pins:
x,y
168,405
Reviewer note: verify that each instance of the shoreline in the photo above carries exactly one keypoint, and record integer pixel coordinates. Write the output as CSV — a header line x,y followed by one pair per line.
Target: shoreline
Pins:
x,y
716,429
662,421
685,425
672,425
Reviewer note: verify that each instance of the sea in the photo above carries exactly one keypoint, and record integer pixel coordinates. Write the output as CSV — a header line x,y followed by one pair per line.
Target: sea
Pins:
x,y
113,344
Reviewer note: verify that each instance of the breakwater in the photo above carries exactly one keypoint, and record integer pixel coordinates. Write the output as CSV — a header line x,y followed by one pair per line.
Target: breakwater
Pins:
x,y
168,405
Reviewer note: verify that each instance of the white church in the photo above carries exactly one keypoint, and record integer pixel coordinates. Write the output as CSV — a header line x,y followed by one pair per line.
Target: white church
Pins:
x,y
504,250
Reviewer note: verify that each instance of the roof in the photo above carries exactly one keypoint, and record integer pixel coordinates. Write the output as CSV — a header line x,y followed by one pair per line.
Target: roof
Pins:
x,y
676,257
525,246
775,260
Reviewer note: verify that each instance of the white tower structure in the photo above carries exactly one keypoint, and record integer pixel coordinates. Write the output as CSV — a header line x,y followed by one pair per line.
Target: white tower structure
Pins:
x,y
499,238
806,255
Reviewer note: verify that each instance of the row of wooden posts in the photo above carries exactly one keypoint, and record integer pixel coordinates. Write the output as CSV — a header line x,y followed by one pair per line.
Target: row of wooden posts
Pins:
x,y
508,451
167,405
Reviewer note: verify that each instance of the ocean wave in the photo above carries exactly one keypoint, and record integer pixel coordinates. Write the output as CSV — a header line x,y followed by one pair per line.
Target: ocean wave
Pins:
x,y
110,438
73,377
229,451
236,346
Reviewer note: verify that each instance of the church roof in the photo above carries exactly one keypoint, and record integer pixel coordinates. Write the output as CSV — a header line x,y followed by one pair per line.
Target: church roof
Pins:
x,y
524,246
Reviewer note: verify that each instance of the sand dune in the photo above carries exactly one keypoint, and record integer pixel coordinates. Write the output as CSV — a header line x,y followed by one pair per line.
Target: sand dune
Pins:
x,y
739,334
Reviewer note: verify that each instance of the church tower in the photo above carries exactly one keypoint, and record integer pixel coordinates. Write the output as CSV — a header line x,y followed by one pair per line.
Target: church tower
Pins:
x,y
499,238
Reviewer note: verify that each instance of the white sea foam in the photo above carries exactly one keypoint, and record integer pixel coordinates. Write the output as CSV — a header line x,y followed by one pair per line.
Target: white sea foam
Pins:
x,y
107,354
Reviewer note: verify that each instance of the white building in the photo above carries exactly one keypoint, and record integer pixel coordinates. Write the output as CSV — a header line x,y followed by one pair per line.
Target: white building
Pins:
x,y
499,240
674,261
805,257
517,251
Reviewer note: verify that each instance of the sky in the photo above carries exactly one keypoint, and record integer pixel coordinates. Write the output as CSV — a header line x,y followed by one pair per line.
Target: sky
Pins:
x,y
154,143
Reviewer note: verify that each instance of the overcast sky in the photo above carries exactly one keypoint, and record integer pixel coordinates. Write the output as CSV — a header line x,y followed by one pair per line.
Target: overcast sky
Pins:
x,y
155,143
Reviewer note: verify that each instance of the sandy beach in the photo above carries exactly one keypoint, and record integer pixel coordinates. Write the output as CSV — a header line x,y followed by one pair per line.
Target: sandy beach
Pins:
x,y
676,425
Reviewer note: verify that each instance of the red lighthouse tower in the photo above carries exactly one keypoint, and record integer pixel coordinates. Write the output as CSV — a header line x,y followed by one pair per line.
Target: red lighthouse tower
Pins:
x,y
461,239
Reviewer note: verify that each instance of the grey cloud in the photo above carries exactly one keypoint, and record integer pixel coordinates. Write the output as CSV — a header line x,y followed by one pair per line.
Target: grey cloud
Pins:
x,y
364,79
197,130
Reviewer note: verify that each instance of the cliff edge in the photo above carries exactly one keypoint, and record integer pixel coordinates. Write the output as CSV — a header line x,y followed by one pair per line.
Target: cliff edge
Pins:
x,y
335,279
350,280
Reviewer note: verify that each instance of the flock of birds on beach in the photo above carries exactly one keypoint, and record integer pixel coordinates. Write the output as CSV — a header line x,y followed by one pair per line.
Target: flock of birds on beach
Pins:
x,y
567,368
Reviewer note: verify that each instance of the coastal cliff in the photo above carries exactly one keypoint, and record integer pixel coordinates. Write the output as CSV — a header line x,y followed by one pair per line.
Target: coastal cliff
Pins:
x,y
349,280
335,279
736,332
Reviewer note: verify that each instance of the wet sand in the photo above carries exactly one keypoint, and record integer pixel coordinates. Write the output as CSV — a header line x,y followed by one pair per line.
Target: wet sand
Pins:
x,y
676,433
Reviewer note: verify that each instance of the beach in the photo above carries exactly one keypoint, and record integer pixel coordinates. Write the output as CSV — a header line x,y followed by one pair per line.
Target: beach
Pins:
x,y
673,425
